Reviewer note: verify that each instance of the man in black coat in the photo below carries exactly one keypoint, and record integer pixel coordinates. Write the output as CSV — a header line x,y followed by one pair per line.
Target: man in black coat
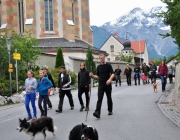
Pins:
x,y
83,86
64,82
128,72
118,73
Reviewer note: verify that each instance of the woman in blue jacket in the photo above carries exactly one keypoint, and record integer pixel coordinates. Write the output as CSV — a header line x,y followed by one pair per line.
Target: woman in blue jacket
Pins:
x,y
43,85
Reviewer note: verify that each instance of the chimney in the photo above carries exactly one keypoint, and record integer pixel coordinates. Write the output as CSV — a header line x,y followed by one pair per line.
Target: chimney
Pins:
x,y
116,34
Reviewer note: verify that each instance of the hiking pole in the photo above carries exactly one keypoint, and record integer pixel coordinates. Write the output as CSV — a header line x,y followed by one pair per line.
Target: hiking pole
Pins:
x,y
89,96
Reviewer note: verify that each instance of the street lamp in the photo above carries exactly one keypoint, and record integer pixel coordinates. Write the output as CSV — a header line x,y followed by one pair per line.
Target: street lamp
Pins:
x,y
165,59
8,43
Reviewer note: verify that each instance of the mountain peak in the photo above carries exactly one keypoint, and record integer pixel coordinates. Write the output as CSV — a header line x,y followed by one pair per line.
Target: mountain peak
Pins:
x,y
143,24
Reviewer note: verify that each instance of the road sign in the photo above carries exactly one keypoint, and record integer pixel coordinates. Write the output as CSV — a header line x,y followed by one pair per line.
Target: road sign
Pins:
x,y
10,70
17,56
10,66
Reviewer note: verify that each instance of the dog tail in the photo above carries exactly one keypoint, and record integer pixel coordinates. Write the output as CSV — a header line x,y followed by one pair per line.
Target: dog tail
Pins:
x,y
55,128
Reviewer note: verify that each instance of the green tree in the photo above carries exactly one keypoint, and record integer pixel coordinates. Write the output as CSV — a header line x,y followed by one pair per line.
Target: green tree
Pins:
x,y
90,64
157,62
59,58
25,44
171,18
123,57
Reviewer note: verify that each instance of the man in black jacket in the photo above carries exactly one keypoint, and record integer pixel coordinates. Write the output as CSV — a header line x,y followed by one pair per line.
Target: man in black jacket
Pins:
x,y
45,68
118,75
128,72
64,81
153,69
83,86
105,74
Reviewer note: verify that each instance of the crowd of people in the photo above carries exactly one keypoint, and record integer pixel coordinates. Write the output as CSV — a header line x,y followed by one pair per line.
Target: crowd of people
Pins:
x,y
105,75
146,73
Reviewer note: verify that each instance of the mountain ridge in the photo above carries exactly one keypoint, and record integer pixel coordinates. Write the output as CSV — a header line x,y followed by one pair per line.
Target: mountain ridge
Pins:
x,y
140,25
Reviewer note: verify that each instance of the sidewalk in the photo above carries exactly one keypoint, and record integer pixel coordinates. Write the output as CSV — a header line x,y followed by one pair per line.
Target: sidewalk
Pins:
x,y
168,106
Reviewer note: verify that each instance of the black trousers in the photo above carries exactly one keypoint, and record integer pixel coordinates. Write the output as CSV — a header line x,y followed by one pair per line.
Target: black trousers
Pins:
x,y
44,99
61,97
49,103
170,78
153,76
128,77
137,78
101,90
82,90
118,78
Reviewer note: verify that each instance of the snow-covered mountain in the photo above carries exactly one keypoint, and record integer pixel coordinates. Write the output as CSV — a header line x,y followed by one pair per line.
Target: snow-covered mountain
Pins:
x,y
143,24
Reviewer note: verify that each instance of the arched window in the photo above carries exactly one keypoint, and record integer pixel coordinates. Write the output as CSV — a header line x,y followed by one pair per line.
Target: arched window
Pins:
x,y
21,16
48,8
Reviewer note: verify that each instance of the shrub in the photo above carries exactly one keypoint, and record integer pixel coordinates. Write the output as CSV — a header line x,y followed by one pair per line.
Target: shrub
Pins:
x,y
59,58
55,73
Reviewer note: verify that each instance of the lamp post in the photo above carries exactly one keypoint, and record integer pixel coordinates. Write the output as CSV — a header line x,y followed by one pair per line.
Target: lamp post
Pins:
x,y
165,59
139,50
8,43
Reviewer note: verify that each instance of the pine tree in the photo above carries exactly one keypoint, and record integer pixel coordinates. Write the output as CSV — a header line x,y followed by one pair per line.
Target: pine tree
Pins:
x,y
59,58
90,64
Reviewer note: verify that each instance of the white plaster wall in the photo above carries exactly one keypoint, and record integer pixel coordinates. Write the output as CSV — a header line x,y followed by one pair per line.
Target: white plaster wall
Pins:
x,y
177,80
60,22
38,27
117,47
145,55
50,60
172,63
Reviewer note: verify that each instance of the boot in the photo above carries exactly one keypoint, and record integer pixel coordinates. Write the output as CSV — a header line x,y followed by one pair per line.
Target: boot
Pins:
x,y
82,107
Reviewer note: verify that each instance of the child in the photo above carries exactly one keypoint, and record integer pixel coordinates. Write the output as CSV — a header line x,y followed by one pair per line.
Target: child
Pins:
x,y
43,85
144,78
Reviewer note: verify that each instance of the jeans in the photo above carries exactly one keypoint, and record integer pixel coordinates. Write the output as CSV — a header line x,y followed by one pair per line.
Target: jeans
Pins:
x,y
30,97
163,81
44,99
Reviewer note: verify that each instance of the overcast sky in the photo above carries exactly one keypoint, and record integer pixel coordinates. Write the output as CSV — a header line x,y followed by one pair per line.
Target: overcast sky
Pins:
x,y
102,11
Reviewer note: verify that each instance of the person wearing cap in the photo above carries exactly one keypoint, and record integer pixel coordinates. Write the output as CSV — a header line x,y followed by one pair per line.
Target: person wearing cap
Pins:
x,y
64,82
128,72
49,76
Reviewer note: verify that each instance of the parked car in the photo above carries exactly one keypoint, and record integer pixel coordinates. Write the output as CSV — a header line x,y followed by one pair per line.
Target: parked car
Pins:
x,y
157,75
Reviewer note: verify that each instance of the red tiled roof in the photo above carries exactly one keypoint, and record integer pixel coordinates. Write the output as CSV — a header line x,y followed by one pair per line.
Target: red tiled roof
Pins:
x,y
118,39
138,46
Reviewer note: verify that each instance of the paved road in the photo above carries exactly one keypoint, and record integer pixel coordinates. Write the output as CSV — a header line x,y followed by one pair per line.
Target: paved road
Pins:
x,y
136,117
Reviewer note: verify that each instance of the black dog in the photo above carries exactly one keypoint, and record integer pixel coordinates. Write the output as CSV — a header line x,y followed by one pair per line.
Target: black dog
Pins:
x,y
83,132
37,126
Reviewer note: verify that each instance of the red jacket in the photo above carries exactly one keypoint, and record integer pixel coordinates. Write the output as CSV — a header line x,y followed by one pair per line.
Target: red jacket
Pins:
x,y
163,70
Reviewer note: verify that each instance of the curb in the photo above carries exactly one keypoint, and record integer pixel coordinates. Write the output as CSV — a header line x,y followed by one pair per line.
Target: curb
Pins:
x,y
167,108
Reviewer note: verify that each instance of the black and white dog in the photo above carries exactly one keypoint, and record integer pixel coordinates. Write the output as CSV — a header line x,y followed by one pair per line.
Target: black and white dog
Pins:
x,y
37,126
83,132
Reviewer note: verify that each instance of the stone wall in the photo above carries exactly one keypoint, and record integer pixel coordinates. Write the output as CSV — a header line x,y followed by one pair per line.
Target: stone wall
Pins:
x,y
176,96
